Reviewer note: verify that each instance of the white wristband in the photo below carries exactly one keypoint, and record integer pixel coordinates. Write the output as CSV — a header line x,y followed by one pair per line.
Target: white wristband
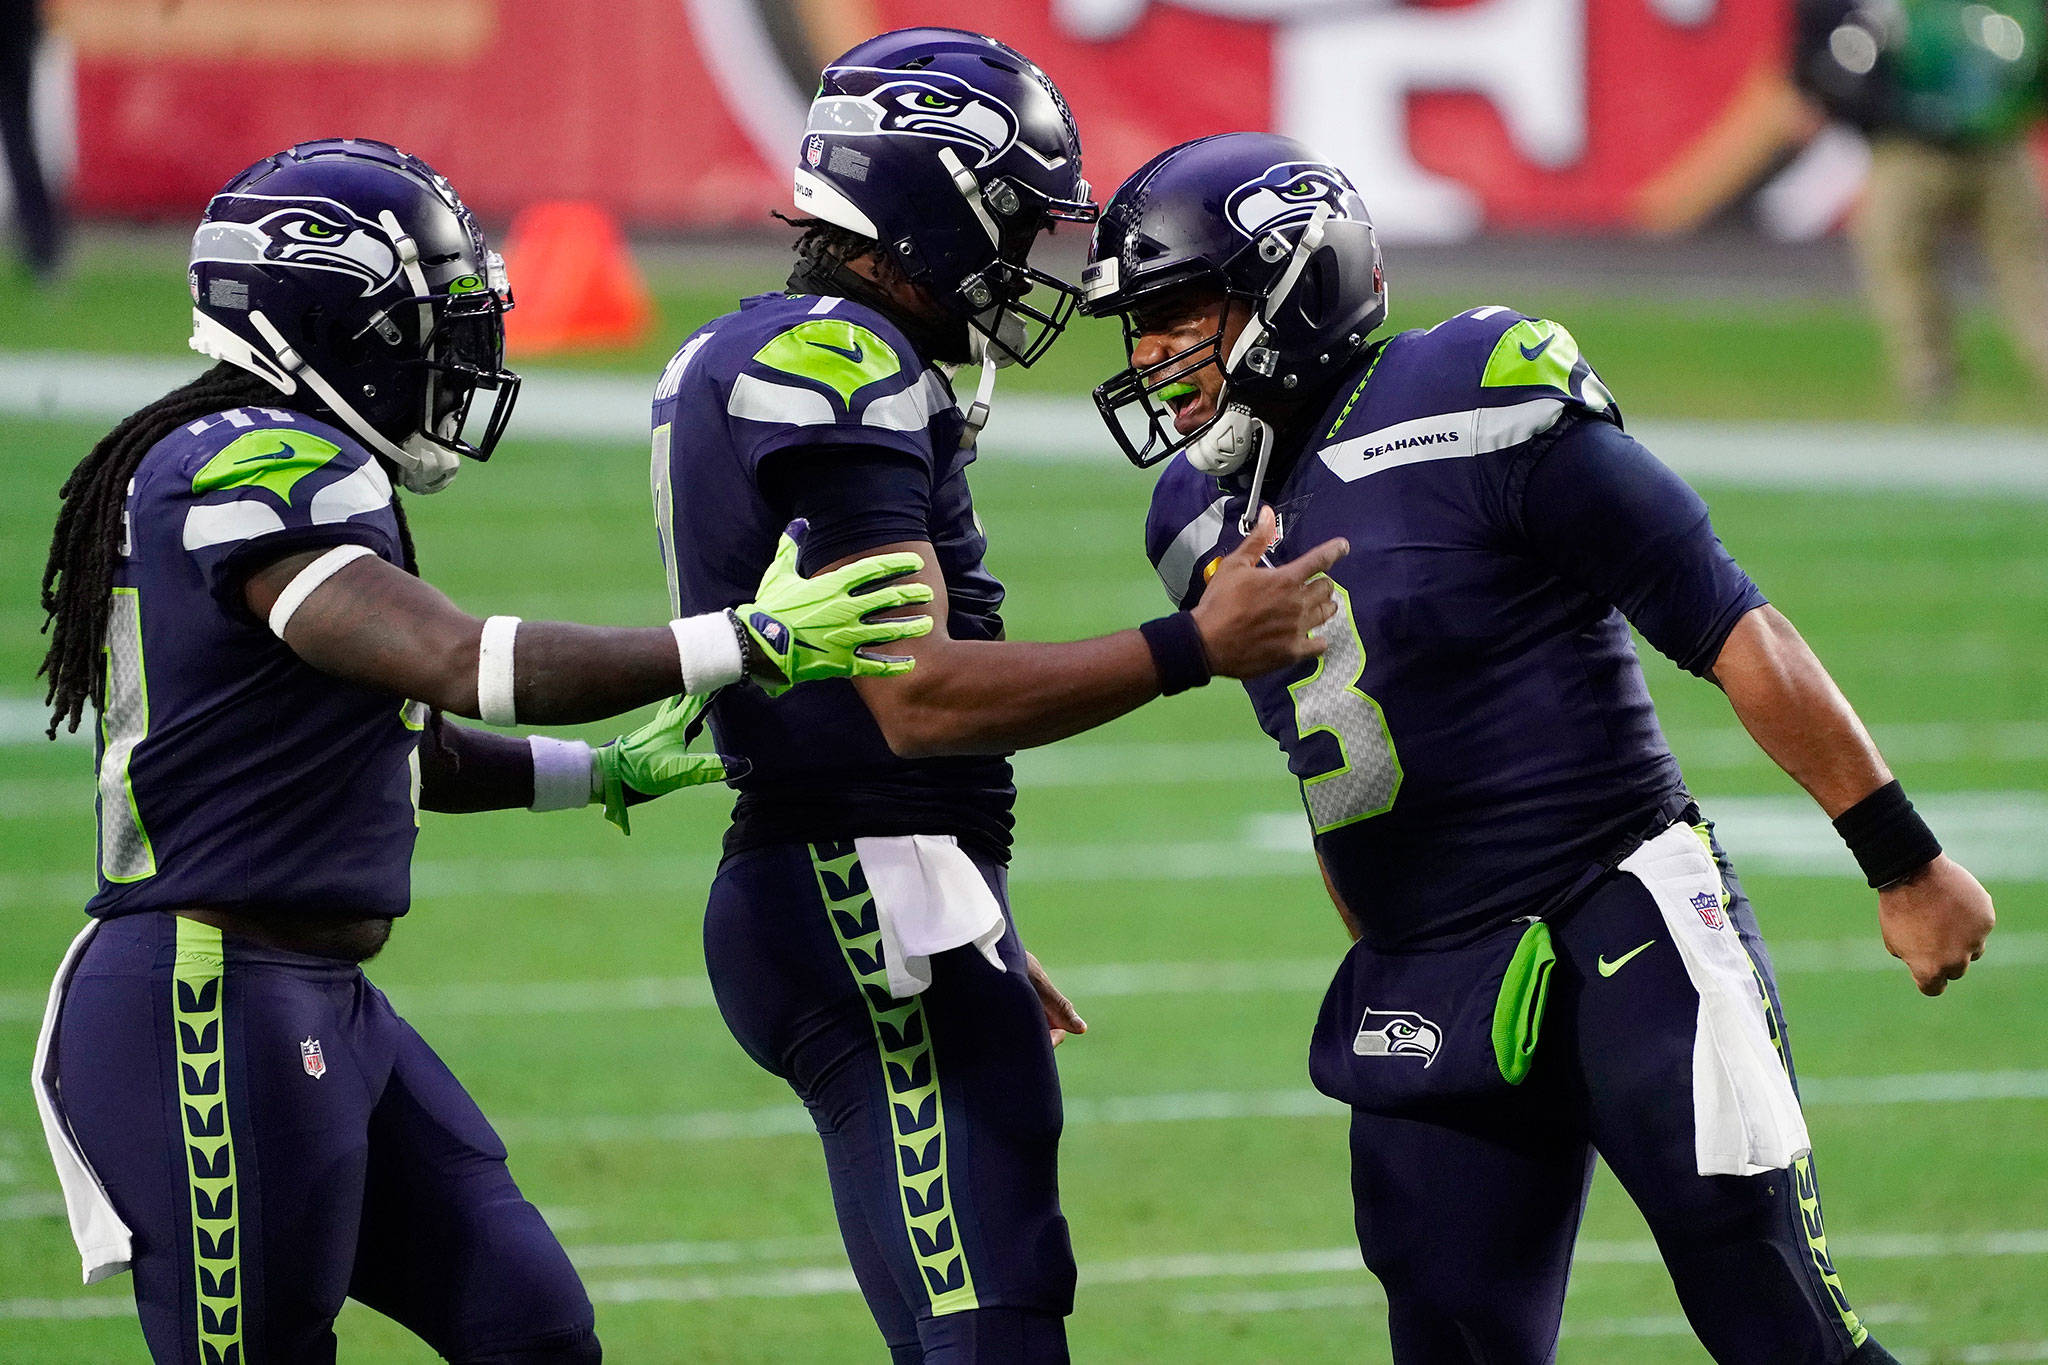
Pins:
x,y
312,576
561,773
710,651
494,700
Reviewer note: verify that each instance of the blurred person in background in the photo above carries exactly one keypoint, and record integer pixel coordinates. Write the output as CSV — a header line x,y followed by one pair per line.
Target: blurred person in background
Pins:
x,y
1947,91
35,212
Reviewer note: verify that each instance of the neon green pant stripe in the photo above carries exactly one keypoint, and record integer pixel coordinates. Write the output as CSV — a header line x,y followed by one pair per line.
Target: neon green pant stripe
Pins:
x,y
910,1073
209,1144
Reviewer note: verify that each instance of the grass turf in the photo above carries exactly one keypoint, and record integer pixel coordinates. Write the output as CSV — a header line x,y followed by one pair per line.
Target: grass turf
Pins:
x,y
1930,610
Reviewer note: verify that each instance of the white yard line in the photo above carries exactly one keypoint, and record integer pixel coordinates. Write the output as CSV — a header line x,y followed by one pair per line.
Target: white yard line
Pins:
x,y
566,405
833,1279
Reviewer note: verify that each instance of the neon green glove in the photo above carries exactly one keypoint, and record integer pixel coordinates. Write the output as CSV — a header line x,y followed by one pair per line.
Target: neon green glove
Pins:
x,y
803,629
655,759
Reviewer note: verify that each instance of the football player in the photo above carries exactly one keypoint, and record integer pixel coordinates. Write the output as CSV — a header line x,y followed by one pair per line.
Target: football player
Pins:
x,y
234,1110
858,936
1554,958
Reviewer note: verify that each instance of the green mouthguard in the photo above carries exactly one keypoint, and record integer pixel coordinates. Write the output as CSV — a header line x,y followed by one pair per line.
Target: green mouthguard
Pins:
x,y
1178,389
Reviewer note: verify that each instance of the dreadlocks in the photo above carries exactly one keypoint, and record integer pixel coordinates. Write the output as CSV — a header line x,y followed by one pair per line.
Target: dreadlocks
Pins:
x,y
78,578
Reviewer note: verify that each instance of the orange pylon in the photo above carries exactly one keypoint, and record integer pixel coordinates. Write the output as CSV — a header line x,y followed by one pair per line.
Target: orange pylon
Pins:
x,y
574,282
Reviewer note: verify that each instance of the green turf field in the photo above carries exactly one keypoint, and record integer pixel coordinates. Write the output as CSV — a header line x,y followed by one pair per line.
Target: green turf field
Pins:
x,y
558,968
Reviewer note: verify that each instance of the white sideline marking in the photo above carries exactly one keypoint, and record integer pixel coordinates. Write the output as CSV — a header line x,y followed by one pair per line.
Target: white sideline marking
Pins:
x,y
1099,981
791,1119
1999,835
811,1281
566,405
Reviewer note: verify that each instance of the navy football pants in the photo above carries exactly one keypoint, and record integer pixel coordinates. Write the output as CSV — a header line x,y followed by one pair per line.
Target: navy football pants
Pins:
x,y
1468,1216
940,1114
261,1194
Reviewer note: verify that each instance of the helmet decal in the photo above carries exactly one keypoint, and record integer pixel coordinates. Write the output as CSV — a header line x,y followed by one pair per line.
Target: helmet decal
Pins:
x,y
1289,193
307,234
929,104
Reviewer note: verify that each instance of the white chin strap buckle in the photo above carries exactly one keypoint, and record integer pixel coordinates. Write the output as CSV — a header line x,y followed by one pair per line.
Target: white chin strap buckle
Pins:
x,y
1230,440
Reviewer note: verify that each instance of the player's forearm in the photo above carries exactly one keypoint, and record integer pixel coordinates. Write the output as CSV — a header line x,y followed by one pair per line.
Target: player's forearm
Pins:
x,y
464,770
996,696
373,624
1796,714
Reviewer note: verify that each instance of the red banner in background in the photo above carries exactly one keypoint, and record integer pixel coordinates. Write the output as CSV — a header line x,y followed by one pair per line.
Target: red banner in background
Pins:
x,y
1593,115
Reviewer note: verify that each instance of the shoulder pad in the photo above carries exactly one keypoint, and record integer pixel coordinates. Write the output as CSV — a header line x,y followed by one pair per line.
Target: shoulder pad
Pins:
x,y
1535,353
827,363
272,458
838,354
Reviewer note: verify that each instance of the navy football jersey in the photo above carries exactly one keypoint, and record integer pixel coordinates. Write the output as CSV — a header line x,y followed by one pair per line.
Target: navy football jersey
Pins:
x,y
802,375
231,773
1479,728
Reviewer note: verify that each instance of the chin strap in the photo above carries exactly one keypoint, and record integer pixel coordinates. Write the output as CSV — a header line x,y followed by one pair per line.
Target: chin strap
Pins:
x,y
984,392
1262,440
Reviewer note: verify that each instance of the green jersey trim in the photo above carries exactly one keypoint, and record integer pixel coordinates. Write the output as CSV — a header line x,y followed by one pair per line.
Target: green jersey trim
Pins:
x,y
843,356
271,458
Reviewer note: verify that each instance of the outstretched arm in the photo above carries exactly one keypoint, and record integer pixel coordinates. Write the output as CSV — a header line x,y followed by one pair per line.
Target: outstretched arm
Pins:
x,y
996,696
1935,917
365,620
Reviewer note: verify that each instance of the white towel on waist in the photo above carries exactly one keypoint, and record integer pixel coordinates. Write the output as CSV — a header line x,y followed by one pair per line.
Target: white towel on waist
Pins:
x,y
1746,1118
105,1245
929,897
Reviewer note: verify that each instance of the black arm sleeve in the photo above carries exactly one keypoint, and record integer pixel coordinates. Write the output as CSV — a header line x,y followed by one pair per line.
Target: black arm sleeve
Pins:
x,y
1609,517
855,498
464,770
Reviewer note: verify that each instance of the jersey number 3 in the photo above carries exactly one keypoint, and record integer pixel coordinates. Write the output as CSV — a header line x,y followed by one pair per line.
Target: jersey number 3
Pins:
x,y
1368,774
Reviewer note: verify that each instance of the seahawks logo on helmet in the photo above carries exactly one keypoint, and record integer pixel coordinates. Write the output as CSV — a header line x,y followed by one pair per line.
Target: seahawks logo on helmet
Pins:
x,y
1397,1033
309,234
930,104
1290,193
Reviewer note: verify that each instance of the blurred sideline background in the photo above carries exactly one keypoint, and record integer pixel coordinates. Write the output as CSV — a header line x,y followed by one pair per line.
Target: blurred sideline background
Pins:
x,y
1642,170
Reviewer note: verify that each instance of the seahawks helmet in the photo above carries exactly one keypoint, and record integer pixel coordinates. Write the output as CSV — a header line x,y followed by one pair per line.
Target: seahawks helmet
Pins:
x,y
1253,217
347,271
953,151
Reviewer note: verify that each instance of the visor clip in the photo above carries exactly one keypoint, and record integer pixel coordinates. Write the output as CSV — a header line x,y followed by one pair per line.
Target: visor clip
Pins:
x,y
1002,197
1261,361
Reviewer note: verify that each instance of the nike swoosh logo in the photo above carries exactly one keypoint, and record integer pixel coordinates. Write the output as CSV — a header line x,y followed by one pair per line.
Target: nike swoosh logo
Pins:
x,y
1610,968
1541,347
853,353
283,452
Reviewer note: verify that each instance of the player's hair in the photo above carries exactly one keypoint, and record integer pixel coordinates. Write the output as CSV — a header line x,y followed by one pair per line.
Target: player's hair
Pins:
x,y
822,248
78,578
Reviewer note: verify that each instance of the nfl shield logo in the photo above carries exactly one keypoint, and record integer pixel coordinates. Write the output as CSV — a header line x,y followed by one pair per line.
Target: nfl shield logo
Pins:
x,y
814,148
309,1056
1709,906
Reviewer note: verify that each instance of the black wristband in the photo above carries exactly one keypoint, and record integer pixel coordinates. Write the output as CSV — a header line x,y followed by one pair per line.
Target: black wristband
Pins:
x,y
750,656
1887,835
1177,652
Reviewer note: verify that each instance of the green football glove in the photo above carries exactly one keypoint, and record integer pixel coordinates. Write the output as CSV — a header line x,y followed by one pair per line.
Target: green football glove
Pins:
x,y
803,629
655,759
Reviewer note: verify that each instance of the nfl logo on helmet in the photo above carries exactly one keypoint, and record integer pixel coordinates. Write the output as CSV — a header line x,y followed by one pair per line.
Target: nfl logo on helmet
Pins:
x,y
310,1058
814,149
